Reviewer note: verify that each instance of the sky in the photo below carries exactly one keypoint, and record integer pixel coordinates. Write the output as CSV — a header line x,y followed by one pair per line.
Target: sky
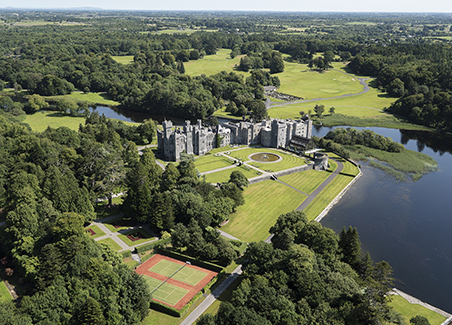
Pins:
x,y
261,5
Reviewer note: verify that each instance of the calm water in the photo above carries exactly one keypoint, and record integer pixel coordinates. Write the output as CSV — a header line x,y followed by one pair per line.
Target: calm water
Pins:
x,y
408,224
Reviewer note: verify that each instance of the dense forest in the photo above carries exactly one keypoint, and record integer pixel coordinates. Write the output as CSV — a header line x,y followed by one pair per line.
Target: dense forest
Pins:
x,y
308,275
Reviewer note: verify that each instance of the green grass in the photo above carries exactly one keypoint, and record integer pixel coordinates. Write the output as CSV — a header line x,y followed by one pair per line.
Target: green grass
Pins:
x,y
167,292
264,203
96,229
39,121
126,59
110,242
414,163
184,274
154,317
288,160
119,222
146,237
211,162
4,293
306,181
226,295
98,98
131,263
299,80
212,64
408,310
223,176
326,196
222,113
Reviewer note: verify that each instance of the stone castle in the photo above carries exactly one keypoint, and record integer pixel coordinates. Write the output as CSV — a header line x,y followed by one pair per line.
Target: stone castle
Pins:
x,y
198,140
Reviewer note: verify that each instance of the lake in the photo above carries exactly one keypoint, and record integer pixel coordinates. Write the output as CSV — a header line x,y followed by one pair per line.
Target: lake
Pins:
x,y
407,224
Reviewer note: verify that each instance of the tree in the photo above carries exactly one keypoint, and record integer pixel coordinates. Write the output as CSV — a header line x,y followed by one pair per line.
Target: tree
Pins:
x,y
91,313
276,63
350,247
319,109
66,105
147,130
169,178
180,67
36,103
245,64
332,110
238,179
258,110
419,320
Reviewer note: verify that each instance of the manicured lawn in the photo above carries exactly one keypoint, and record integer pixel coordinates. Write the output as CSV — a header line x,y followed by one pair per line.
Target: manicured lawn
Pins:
x,y
326,196
223,176
369,105
155,317
4,293
211,162
126,59
39,121
110,242
264,203
408,310
141,233
299,80
288,160
212,64
306,181
96,229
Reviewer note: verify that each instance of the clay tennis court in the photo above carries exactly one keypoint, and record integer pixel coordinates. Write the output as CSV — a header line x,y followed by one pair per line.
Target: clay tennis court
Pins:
x,y
174,282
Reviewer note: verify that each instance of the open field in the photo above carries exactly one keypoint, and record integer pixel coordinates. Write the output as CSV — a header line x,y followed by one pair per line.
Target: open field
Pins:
x,y
299,80
173,282
223,176
306,181
408,310
211,162
288,160
326,196
96,229
4,293
222,113
264,203
117,224
110,242
141,233
94,98
212,64
98,98
126,59
39,121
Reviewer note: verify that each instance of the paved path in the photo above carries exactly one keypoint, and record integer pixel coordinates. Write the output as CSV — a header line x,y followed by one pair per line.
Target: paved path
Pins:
x,y
212,297
362,81
225,234
325,183
114,234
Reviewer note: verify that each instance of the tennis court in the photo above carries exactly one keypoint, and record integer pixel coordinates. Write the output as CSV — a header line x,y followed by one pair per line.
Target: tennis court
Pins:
x,y
184,274
173,282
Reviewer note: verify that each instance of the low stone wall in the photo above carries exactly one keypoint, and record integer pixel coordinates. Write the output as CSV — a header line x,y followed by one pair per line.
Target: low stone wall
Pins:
x,y
337,198
293,170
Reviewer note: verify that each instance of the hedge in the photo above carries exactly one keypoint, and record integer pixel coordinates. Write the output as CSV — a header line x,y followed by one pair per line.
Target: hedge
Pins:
x,y
147,247
146,257
192,260
126,254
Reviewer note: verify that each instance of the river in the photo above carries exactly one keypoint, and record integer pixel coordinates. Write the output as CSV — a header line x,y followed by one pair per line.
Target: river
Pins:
x,y
407,224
